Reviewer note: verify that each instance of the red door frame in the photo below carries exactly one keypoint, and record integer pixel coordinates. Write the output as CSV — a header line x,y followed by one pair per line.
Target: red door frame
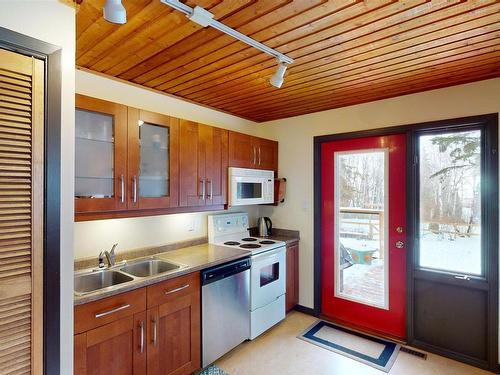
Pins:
x,y
391,322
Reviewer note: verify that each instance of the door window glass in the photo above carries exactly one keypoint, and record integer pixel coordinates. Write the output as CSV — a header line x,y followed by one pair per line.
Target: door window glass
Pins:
x,y
361,257
154,172
450,202
94,149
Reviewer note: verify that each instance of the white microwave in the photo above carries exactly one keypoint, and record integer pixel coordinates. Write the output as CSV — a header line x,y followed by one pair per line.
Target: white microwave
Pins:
x,y
250,186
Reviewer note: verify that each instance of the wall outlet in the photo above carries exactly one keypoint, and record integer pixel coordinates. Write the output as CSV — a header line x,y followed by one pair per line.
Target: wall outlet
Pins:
x,y
192,224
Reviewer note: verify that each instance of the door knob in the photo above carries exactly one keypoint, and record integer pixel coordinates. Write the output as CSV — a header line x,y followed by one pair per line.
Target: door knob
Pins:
x,y
399,229
400,244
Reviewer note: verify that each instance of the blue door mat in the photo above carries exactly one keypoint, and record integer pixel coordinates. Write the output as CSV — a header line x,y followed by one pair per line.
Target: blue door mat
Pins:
x,y
212,370
370,350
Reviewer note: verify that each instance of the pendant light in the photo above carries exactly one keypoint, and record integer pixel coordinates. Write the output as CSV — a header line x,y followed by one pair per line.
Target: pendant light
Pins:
x,y
278,77
115,12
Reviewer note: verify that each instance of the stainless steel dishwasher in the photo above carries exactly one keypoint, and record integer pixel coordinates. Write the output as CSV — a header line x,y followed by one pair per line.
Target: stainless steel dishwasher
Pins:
x,y
225,308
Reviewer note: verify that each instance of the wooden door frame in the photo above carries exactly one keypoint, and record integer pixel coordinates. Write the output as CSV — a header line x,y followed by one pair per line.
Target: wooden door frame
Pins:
x,y
490,122
51,55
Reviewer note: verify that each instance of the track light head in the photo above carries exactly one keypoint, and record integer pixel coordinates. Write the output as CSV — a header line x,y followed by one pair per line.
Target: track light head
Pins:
x,y
278,78
115,12
201,16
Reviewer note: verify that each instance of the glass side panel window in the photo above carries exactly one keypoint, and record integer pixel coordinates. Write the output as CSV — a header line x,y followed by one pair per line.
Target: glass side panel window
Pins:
x,y
361,256
269,273
249,190
450,202
154,168
94,150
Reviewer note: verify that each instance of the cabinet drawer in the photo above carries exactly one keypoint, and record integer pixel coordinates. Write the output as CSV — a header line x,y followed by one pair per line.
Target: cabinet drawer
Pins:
x,y
107,310
172,289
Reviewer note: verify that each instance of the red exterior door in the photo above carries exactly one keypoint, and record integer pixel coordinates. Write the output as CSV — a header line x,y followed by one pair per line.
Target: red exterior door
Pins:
x,y
364,233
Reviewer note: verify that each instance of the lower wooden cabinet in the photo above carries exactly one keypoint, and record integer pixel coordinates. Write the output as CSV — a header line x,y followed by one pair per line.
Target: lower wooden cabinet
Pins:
x,y
163,339
174,347
112,349
175,326
292,276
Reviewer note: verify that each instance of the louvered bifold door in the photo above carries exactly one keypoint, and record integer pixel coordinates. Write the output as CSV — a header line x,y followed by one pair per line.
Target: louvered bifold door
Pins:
x,y
21,213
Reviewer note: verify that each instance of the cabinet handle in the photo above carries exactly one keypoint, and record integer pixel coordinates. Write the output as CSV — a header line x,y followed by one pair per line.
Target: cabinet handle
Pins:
x,y
122,185
177,289
153,322
105,313
254,155
135,189
259,155
203,192
211,190
141,347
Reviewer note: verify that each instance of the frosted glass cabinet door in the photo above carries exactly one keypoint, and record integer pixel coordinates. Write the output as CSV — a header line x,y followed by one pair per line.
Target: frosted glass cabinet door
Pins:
x,y
153,160
154,155
100,141
94,162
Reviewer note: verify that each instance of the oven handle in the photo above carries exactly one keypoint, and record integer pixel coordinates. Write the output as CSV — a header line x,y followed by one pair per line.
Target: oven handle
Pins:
x,y
268,254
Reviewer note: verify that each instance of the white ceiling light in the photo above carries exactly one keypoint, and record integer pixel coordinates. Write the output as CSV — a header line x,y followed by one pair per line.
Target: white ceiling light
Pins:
x,y
205,18
115,12
278,77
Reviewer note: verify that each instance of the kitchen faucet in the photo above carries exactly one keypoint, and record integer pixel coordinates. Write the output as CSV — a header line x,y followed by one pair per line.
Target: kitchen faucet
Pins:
x,y
110,257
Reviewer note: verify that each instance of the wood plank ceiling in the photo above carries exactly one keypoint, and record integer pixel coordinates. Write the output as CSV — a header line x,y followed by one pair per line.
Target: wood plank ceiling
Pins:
x,y
346,51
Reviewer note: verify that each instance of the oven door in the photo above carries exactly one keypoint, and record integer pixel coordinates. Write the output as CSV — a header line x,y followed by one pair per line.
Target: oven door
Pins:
x,y
267,277
250,190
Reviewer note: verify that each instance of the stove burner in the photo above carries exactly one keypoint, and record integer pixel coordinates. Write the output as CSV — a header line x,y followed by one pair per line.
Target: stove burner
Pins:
x,y
249,239
250,246
267,242
233,243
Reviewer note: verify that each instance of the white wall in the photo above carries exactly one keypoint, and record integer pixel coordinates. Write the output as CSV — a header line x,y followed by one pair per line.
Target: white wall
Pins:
x,y
53,22
133,233
92,237
295,136
109,89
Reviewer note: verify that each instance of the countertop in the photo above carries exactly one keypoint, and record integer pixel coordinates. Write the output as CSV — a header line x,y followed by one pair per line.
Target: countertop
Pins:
x,y
196,258
290,237
289,240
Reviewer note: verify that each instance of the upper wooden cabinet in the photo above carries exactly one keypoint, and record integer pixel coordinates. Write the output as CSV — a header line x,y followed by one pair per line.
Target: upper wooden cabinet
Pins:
x,y
203,165
266,153
246,151
131,162
153,160
100,155
241,150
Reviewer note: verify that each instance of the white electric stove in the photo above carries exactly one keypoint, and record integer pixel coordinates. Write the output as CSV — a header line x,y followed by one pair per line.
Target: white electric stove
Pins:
x,y
267,274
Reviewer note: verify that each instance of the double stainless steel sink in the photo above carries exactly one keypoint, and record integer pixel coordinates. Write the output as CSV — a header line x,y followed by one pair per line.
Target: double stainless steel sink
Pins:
x,y
91,281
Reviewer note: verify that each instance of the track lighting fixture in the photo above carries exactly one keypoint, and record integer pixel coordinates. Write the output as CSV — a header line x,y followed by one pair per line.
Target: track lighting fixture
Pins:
x,y
278,77
115,12
205,18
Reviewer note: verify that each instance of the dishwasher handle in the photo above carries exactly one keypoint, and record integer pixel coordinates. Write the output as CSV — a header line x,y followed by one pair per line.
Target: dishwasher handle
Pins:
x,y
221,272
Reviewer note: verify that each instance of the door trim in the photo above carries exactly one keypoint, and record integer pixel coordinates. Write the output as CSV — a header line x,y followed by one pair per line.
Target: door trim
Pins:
x,y
51,55
490,123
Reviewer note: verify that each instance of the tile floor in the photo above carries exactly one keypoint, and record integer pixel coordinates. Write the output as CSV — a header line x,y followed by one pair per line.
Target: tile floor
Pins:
x,y
278,351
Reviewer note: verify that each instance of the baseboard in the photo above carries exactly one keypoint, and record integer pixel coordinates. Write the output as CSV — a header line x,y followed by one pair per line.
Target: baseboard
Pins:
x,y
453,355
305,310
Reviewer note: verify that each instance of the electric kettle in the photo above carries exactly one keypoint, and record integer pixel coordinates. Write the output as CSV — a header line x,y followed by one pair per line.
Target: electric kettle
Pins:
x,y
265,226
